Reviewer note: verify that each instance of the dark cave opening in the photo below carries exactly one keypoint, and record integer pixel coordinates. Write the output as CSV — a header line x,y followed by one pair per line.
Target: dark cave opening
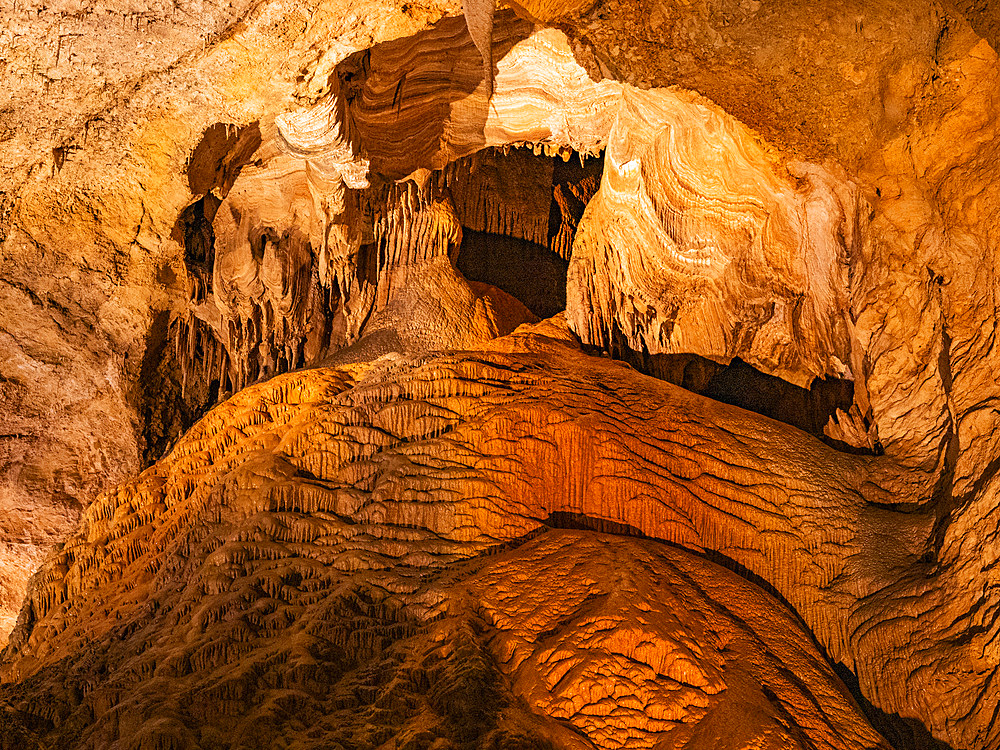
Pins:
x,y
525,268
165,413
532,273
740,384
194,231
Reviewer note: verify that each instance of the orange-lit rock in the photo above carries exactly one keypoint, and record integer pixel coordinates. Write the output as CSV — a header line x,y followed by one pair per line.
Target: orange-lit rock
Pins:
x,y
404,522
380,481
415,462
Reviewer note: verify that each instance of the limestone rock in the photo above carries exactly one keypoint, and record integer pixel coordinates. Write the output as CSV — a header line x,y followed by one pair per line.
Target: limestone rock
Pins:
x,y
698,242
320,501
404,521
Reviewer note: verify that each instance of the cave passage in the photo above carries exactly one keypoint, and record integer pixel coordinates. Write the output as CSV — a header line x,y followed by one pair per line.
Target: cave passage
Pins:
x,y
535,273
519,209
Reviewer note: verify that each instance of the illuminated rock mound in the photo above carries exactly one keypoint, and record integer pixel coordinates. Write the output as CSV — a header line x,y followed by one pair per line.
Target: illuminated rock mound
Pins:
x,y
326,544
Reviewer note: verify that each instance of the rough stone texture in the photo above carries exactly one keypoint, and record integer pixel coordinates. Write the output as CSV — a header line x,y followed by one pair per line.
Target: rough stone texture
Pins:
x,y
313,493
225,194
91,271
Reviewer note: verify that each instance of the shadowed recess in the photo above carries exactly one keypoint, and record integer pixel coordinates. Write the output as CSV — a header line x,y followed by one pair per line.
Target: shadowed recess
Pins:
x,y
739,384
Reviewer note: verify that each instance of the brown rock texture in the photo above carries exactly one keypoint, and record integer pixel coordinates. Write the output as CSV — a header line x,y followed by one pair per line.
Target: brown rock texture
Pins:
x,y
316,493
341,358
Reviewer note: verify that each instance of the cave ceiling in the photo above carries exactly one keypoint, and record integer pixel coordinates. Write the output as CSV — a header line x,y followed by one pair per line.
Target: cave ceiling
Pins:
x,y
556,374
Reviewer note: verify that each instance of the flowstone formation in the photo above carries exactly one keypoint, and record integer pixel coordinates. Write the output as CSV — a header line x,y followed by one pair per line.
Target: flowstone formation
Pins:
x,y
345,514
570,375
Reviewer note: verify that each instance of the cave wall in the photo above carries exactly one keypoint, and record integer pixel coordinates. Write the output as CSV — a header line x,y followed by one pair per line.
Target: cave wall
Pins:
x,y
200,199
